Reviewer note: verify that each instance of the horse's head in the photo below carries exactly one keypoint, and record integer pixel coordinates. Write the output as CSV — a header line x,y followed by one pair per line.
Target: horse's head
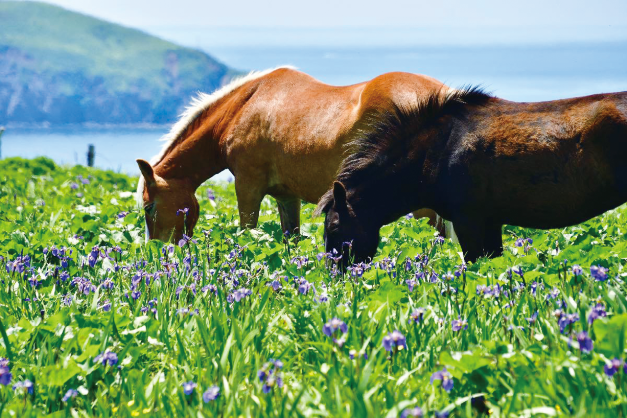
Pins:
x,y
170,206
344,231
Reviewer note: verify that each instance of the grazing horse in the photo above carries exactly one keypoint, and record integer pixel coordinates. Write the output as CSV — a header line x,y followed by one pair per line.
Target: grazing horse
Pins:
x,y
280,132
481,162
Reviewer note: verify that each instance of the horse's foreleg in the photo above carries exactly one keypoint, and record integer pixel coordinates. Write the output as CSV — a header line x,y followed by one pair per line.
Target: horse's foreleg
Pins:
x,y
493,245
471,236
248,202
289,211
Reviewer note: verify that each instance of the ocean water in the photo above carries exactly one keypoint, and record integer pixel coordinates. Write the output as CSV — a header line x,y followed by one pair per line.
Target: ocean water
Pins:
x,y
517,72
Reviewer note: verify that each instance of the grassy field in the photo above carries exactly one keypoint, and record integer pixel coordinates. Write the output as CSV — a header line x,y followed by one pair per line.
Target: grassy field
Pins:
x,y
238,323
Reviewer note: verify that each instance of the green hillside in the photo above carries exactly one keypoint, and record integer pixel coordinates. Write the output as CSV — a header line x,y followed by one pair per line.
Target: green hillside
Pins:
x,y
60,67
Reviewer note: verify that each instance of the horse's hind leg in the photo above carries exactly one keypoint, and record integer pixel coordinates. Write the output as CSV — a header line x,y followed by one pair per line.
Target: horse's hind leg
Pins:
x,y
493,245
289,211
249,200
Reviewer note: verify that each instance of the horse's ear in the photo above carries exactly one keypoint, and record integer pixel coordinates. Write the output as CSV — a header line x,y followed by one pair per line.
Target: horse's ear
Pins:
x,y
147,171
339,197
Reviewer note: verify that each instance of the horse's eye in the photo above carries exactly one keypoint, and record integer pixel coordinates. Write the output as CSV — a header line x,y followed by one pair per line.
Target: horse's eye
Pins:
x,y
149,207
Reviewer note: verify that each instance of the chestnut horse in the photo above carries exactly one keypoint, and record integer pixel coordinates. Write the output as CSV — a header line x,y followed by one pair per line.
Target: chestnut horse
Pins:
x,y
280,132
482,162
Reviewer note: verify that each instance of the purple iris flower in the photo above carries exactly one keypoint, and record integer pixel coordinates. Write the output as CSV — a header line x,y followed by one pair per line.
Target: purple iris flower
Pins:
x,y
599,273
459,324
188,387
585,343
566,320
412,412
448,276
417,315
613,366
597,312
445,377
107,357
354,354
5,372
394,339
532,320
211,394
211,196
122,214
183,211
304,286
411,284
270,374
71,393
577,270
333,325
442,414
26,384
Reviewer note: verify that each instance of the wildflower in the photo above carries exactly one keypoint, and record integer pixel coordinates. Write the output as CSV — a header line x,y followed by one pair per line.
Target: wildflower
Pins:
x,y
459,324
188,387
183,211
26,384
122,214
333,325
417,315
585,343
354,353
597,312
71,393
411,283
5,372
74,186
409,216
136,294
275,285
107,357
211,196
442,414
613,366
304,286
186,240
532,320
270,375
448,276
445,377
241,293
394,339
211,394
300,261
599,273
412,412
577,270
566,320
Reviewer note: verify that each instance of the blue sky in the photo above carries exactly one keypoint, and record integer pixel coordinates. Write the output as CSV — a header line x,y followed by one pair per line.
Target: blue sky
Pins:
x,y
460,21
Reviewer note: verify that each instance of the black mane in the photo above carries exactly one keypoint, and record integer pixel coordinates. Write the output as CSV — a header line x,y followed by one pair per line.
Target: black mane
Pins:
x,y
388,134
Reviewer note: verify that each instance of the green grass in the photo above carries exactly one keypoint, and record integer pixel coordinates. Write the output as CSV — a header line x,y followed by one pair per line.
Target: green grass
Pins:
x,y
513,371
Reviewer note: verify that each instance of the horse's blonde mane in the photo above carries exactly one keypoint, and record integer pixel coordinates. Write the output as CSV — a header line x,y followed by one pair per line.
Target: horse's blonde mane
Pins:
x,y
198,105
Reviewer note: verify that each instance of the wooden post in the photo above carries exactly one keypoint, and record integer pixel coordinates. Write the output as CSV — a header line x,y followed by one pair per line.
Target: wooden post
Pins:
x,y
91,155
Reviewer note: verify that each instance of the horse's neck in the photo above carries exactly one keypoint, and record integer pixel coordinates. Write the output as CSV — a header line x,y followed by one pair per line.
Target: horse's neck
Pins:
x,y
198,155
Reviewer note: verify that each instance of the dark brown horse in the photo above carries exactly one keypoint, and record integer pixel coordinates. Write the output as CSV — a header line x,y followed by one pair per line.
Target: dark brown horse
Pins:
x,y
482,162
280,132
